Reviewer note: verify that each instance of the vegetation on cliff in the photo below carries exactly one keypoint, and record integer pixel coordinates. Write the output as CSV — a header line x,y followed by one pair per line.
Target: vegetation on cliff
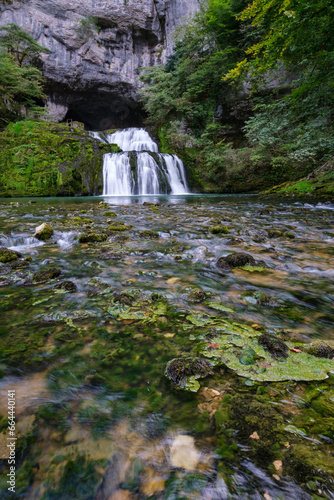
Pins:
x,y
246,98
46,159
21,82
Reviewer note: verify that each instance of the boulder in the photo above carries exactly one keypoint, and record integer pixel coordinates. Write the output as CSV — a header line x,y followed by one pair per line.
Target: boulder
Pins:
x,y
44,232
7,255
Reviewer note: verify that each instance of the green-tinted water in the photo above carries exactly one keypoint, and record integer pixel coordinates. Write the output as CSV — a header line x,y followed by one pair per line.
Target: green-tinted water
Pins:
x,y
96,416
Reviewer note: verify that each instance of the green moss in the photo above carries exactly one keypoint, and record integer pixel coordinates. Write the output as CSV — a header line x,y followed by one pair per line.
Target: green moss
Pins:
x,y
109,214
48,274
149,234
45,232
80,480
219,230
7,255
49,159
90,237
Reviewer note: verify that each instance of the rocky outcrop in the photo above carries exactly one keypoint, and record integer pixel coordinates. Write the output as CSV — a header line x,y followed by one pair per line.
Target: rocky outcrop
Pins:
x,y
97,48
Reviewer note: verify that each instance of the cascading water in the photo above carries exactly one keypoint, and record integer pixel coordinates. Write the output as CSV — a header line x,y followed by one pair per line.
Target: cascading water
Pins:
x,y
140,169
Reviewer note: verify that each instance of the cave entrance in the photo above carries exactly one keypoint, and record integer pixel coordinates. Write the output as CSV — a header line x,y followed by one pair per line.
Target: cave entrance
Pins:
x,y
103,113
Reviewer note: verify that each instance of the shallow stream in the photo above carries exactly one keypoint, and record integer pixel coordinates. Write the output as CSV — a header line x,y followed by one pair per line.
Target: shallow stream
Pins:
x,y
96,416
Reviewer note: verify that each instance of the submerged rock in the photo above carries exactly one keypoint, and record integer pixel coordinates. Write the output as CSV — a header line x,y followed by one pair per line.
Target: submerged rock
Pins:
x,y
277,233
44,232
183,372
124,298
276,347
7,255
149,234
48,274
183,453
238,259
66,286
112,255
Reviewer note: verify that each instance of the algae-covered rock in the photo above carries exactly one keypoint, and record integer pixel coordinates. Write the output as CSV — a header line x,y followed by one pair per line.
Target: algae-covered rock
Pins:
x,y
66,286
219,230
118,226
48,274
109,214
184,372
238,259
110,255
149,234
91,237
321,349
7,255
276,347
275,233
324,403
44,232
231,344
198,296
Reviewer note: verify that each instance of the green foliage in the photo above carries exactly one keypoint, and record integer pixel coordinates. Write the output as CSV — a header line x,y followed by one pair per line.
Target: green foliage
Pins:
x,y
20,89
270,118
21,45
21,84
87,28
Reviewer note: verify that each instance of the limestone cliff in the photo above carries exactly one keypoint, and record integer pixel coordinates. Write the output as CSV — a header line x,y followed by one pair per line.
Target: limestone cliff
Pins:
x,y
92,71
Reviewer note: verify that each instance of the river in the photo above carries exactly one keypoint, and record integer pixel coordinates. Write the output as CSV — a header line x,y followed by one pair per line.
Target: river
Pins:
x,y
97,418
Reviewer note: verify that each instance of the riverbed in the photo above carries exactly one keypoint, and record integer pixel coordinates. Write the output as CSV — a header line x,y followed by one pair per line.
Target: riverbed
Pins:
x,y
86,348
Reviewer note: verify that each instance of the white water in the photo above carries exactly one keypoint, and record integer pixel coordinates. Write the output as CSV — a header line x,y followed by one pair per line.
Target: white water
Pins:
x,y
136,170
24,243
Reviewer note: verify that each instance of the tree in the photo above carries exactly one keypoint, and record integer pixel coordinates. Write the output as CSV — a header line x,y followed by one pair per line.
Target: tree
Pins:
x,y
21,45
21,83
296,41
20,90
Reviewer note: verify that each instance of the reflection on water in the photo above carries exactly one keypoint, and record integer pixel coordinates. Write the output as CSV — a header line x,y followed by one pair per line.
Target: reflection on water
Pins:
x,y
86,351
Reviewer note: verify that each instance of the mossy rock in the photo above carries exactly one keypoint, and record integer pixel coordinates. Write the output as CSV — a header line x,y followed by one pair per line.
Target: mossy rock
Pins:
x,y
184,372
151,235
39,158
233,344
118,227
321,349
227,340
276,347
66,286
109,214
48,274
90,237
7,255
44,232
219,230
238,259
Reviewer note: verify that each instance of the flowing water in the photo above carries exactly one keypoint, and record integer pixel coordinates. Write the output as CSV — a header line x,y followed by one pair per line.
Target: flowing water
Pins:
x,y
96,416
140,169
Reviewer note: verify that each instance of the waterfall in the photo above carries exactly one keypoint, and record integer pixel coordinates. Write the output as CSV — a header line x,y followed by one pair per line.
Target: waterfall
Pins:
x,y
140,168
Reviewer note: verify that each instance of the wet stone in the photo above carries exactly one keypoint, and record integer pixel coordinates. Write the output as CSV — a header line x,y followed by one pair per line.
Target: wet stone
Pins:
x,y
276,347
66,286
44,232
236,260
46,275
90,237
7,255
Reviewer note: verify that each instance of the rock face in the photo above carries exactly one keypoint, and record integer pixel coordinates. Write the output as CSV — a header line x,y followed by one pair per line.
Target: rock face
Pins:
x,y
97,48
